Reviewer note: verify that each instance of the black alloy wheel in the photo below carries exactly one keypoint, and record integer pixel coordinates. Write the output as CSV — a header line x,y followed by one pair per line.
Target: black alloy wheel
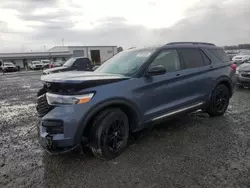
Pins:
x,y
116,135
219,101
109,134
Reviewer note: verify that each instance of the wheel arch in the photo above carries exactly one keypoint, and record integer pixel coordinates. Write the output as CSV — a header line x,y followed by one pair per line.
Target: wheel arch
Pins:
x,y
225,81
128,107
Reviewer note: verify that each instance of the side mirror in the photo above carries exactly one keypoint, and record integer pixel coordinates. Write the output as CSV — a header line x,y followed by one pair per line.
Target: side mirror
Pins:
x,y
156,70
95,67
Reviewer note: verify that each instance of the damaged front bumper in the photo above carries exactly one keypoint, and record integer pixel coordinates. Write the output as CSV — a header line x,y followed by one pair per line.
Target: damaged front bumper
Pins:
x,y
55,144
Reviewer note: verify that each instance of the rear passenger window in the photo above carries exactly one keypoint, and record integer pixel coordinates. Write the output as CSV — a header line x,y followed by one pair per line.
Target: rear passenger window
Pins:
x,y
220,54
192,57
206,59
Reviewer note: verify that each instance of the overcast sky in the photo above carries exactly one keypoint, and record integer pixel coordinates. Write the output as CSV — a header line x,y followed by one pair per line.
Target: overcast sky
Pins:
x,y
37,25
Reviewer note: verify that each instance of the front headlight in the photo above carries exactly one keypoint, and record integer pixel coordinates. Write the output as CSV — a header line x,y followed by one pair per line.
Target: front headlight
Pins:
x,y
54,99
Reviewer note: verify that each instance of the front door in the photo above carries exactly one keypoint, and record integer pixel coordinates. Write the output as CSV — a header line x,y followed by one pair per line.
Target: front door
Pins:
x,y
161,94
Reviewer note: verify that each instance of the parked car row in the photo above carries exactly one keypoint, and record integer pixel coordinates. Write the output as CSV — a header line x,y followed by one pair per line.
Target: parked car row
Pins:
x,y
43,64
239,59
74,63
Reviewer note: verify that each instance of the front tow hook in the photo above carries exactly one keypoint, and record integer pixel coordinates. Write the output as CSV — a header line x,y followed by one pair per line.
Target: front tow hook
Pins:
x,y
49,140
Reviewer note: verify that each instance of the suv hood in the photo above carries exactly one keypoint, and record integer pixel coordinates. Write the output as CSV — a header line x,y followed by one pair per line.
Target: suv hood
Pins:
x,y
244,67
81,76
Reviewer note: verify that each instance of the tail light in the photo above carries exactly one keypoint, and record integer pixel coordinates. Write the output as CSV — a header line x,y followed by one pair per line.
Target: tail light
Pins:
x,y
234,67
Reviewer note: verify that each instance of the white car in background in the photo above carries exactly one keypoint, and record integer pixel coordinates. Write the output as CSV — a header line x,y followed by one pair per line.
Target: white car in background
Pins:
x,y
239,59
35,65
46,62
8,67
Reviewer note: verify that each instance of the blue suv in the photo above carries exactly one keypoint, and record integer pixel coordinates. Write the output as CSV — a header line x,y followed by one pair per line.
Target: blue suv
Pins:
x,y
130,92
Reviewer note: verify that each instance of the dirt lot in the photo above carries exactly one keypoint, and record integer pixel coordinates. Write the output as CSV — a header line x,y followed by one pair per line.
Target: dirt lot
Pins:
x,y
194,151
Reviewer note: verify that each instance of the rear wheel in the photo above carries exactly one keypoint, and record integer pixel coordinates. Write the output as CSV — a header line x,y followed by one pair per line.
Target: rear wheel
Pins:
x,y
109,134
219,101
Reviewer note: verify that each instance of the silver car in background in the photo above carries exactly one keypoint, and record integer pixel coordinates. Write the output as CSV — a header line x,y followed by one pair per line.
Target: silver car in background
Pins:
x,y
243,75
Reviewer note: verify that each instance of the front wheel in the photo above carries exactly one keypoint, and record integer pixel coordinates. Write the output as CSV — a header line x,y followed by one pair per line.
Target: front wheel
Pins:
x,y
110,134
219,101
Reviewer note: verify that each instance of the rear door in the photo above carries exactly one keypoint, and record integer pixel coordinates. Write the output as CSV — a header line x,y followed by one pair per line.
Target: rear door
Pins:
x,y
196,64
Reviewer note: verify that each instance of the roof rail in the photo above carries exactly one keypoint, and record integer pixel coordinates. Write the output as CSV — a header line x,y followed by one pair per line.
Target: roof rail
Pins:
x,y
194,43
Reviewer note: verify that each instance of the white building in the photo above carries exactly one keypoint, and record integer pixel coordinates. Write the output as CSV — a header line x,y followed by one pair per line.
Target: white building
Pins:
x,y
97,54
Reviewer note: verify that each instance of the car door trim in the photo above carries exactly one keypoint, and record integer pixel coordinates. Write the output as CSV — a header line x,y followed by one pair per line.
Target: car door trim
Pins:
x,y
177,111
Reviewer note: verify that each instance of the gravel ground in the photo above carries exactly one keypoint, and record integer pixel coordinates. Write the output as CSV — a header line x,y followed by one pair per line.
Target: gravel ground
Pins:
x,y
193,151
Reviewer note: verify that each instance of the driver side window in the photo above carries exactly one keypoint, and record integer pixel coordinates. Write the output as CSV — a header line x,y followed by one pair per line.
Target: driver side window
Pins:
x,y
167,58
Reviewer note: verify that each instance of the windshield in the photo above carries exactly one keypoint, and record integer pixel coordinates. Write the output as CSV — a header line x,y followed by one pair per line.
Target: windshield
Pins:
x,y
69,62
125,63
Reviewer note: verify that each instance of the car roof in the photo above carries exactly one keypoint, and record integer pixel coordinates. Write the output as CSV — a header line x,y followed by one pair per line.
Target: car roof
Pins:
x,y
179,45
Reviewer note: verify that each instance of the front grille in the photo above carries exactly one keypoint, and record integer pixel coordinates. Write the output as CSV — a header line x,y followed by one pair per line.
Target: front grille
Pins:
x,y
245,75
42,105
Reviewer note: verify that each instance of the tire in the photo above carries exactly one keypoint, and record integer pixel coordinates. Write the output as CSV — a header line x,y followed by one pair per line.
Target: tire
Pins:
x,y
219,101
110,134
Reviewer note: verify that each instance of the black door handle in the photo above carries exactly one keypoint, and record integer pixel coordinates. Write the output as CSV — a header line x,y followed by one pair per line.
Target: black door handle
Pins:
x,y
211,67
177,74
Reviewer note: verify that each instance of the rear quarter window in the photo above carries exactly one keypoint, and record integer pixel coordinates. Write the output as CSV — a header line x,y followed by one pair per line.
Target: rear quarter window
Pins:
x,y
220,54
